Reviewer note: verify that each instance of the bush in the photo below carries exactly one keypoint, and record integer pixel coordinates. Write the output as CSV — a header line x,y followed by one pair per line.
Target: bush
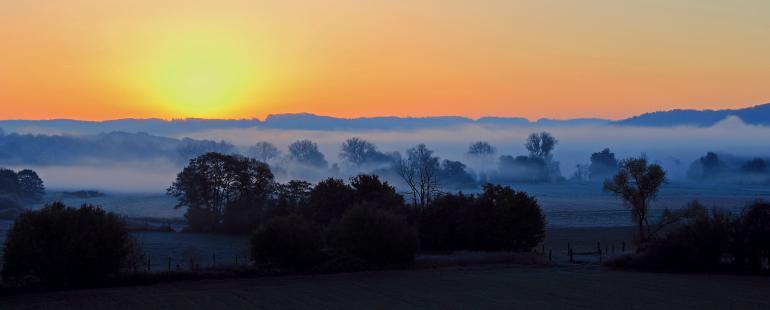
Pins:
x,y
289,242
698,244
62,246
705,241
752,249
376,236
446,224
500,219
511,220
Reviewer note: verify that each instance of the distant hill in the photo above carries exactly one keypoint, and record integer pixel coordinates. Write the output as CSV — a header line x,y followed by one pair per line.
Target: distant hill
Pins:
x,y
756,115
300,121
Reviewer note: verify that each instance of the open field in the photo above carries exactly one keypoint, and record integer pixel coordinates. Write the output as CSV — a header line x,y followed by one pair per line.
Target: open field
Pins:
x,y
471,288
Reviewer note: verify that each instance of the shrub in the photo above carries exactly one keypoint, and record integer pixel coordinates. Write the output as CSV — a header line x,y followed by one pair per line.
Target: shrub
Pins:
x,y
329,199
377,236
699,243
289,242
446,224
62,246
511,220
500,219
752,249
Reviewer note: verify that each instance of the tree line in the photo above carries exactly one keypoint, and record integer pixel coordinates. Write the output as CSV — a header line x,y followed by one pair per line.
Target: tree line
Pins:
x,y
19,188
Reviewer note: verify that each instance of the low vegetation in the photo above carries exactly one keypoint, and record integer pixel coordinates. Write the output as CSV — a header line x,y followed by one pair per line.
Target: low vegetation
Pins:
x,y
289,242
699,239
64,247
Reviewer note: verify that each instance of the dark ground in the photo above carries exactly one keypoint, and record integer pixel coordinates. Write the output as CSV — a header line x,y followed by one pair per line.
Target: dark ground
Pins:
x,y
563,286
500,287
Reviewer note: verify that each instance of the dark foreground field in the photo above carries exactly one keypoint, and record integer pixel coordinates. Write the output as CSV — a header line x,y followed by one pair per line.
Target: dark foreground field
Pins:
x,y
573,287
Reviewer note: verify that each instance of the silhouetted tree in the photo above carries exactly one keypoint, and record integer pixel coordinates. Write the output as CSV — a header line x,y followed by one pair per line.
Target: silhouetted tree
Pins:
x,y
756,165
637,183
453,174
499,219
420,171
359,152
213,182
753,237
306,152
377,236
31,187
708,167
9,184
522,169
581,173
290,242
481,149
292,196
369,189
189,148
263,151
62,246
515,221
603,164
482,154
540,145
329,199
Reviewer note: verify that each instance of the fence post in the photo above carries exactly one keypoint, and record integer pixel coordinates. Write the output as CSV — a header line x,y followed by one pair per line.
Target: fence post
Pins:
x,y
599,249
213,259
570,256
236,260
148,265
624,247
550,255
169,263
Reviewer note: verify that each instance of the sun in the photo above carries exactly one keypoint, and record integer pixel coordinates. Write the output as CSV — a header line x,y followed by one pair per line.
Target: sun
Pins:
x,y
201,74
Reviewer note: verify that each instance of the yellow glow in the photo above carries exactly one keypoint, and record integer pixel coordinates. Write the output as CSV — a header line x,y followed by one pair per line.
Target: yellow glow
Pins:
x,y
200,74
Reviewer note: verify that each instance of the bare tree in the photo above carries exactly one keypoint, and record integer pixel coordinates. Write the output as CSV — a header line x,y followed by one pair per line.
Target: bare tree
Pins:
x,y
481,149
481,153
358,151
419,170
540,145
306,152
263,151
637,183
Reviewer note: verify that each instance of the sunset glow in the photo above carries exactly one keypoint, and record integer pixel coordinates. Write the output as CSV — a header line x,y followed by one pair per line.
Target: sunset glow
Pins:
x,y
107,59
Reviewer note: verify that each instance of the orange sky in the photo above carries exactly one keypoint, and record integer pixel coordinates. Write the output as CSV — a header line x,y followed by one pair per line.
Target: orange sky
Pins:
x,y
106,59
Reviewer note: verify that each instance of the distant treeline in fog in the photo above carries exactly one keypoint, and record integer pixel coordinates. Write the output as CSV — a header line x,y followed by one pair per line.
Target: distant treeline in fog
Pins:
x,y
29,149
478,162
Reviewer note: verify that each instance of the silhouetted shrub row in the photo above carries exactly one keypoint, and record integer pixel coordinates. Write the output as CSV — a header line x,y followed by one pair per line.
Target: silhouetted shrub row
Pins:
x,y
499,219
365,237
62,246
703,240
370,236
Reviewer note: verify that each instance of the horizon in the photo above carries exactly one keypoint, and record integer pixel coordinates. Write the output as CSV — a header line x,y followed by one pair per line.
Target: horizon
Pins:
x,y
263,119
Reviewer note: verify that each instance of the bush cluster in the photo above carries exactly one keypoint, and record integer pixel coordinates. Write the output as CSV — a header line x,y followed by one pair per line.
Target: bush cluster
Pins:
x,y
361,232
708,240
499,219
290,242
62,246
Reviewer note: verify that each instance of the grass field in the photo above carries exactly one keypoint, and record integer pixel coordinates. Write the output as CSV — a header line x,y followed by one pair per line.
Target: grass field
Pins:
x,y
498,287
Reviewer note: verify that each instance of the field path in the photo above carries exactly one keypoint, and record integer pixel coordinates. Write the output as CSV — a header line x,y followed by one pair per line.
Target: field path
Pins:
x,y
472,288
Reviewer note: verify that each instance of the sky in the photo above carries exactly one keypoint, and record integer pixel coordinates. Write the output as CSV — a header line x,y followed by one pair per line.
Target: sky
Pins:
x,y
108,59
